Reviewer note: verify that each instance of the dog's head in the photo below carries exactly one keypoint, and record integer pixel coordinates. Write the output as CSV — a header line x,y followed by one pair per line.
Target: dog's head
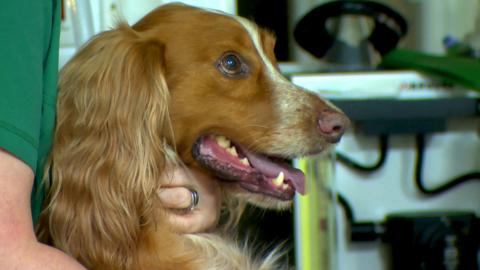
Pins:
x,y
203,83
232,111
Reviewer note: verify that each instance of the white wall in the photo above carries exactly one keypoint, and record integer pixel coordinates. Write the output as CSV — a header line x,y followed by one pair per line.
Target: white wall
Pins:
x,y
392,188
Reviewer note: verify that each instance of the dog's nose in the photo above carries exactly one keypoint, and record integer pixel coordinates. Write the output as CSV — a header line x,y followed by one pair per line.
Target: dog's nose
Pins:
x,y
332,125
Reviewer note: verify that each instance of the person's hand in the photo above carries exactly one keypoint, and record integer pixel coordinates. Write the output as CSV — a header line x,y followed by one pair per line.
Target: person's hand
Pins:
x,y
176,197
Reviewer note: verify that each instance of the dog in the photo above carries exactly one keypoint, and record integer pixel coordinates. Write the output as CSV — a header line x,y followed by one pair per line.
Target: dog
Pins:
x,y
182,86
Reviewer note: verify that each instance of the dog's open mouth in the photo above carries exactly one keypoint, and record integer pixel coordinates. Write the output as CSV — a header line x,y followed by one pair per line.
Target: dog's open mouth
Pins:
x,y
254,172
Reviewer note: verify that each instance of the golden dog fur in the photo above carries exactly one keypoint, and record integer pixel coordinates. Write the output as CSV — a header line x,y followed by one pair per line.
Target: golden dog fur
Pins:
x,y
132,101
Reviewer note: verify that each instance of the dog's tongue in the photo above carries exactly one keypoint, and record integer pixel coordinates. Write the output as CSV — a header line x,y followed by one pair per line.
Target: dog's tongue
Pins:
x,y
254,172
272,168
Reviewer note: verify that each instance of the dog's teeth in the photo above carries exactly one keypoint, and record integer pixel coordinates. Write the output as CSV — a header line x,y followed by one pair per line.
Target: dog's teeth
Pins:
x,y
279,180
245,162
233,151
223,142
285,186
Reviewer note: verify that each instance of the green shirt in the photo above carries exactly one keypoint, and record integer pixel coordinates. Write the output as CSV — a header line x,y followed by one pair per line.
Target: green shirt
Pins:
x,y
29,48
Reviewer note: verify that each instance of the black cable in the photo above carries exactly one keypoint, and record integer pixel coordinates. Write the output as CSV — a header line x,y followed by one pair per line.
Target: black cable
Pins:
x,y
420,140
366,231
367,168
346,207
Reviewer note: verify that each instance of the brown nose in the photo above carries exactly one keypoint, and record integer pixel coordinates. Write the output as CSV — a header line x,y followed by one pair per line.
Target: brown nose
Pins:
x,y
332,125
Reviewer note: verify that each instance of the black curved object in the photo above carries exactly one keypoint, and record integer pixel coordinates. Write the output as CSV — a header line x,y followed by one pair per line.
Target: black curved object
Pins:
x,y
312,35
449,184
366,168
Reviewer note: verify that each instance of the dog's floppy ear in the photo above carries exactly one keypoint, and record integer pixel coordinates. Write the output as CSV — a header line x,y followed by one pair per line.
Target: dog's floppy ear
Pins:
x,y
108,151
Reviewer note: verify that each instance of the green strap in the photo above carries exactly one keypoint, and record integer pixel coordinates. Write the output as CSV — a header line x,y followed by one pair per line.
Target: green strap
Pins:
x,y
463,71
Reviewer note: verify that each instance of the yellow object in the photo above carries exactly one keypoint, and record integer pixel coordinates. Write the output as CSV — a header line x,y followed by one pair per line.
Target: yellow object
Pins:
x,y
315,228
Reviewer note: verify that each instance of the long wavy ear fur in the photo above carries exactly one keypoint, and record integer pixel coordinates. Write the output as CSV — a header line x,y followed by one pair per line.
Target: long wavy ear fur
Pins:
x,y
108,149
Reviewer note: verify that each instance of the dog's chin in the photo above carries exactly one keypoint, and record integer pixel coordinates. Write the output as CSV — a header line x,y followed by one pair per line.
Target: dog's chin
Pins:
x,y
269,182
256,199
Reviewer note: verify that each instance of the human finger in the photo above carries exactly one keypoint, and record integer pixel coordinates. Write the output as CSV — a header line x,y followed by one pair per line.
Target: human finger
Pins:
x,y
175,197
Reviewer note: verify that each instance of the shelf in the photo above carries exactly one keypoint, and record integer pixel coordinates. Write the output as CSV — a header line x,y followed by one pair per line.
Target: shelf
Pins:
x,y
404,116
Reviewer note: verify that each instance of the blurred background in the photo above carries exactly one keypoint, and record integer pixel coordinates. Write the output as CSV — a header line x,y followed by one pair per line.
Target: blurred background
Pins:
x,y
401,189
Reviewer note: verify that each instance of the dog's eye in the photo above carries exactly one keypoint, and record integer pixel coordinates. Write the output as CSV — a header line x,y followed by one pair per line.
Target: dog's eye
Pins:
x,y
231,65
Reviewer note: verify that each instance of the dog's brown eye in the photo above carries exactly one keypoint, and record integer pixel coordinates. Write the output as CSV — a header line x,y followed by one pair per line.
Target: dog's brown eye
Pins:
x,y
231,65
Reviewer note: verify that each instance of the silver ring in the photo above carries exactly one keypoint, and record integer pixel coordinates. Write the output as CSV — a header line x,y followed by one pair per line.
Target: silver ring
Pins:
x,y
195,199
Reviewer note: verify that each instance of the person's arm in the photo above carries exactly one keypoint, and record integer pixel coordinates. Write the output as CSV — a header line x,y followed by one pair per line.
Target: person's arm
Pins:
x,y
19,248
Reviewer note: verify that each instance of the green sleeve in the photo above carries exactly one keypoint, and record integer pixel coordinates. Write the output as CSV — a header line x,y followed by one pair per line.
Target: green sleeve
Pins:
x,y
29,37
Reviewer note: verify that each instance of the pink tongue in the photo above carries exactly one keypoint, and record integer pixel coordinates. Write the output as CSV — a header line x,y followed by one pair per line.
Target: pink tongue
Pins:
x,y
272,169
